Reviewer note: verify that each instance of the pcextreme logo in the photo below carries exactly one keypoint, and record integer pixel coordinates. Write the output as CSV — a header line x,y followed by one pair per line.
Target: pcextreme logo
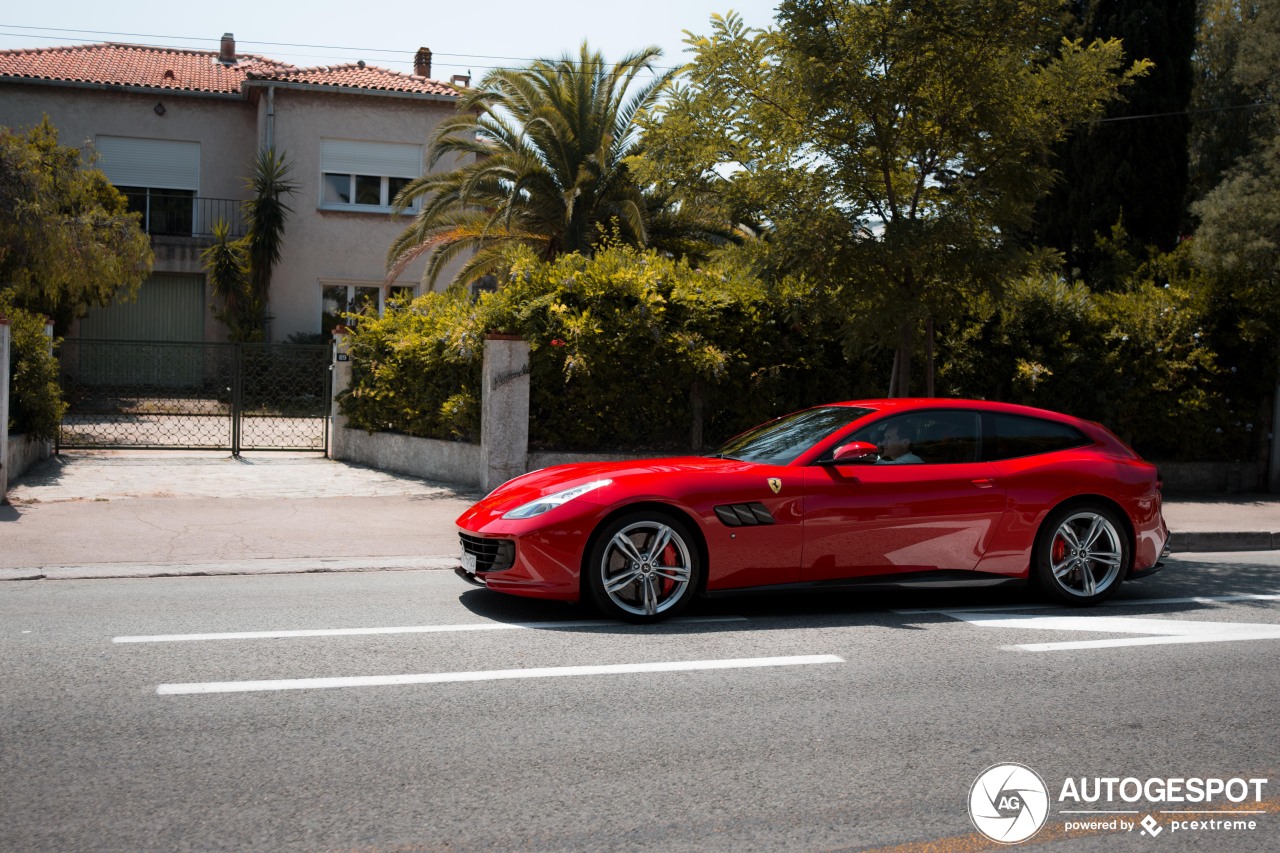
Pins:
x,y
1009,803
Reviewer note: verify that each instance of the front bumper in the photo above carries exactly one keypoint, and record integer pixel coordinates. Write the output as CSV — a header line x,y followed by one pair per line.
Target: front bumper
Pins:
x,y
542,563
469,577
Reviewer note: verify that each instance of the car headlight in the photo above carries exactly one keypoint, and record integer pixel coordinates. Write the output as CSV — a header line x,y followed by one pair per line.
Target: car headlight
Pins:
x,y
547,502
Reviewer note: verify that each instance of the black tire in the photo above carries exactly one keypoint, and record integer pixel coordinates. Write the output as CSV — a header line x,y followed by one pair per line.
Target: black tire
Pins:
x,y
1082,554
629,581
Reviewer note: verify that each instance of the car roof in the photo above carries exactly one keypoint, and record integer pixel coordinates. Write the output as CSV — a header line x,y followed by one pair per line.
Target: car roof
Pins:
x,y
911,404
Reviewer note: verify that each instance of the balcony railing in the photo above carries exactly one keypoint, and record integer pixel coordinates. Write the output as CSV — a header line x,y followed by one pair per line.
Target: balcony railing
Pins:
x,y
177,214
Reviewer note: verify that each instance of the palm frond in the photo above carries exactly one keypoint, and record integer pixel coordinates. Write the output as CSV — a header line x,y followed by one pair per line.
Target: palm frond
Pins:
x,y
542,163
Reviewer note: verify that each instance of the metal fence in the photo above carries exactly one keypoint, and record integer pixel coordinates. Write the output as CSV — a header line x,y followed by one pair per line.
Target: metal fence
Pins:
x,y
194,396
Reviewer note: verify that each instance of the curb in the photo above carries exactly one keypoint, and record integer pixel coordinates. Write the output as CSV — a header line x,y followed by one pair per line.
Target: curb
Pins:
x,y
1216,540
302,565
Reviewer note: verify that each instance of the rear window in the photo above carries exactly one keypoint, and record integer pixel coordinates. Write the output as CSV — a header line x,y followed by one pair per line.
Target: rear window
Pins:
x,y
1012,436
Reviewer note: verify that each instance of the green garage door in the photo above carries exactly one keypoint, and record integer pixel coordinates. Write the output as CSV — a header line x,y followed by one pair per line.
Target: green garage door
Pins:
x,y
169,307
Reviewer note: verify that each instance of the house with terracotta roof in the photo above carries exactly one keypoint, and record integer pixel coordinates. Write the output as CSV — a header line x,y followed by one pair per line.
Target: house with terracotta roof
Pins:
x,y
177,132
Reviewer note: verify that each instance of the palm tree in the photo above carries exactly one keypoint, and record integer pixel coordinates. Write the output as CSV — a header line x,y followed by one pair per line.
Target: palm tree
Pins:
x,y
227,264
240,269
542,153
265,215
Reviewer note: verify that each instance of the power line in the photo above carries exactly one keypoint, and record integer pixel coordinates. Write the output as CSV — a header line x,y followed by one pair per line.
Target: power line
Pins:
x,y
343,48
1254,106
435,55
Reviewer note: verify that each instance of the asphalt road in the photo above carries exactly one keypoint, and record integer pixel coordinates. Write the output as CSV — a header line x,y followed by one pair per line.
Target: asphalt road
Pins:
x,y
806,723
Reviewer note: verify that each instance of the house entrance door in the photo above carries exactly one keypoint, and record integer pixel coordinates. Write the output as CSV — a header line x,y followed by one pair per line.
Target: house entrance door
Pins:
x,y
194,396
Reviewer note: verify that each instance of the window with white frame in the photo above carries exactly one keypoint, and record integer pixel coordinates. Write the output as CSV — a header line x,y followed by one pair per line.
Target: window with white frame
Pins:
x,y
366,176
159,177
338,300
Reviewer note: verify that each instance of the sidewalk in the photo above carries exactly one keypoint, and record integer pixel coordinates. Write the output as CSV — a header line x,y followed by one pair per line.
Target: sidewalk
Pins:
x,y
92,514
1241,522
143,514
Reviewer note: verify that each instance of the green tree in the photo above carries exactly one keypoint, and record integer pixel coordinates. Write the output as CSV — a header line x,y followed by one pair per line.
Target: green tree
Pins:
x,y
1228,104
1131,167
1238,239
889,145
539,158
67,239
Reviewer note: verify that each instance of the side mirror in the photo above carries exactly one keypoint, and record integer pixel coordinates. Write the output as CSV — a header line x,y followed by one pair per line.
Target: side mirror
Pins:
x,y
856,453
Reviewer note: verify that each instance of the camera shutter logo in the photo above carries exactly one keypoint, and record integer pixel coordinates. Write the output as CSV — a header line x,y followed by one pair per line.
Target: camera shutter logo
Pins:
x,y
1009,803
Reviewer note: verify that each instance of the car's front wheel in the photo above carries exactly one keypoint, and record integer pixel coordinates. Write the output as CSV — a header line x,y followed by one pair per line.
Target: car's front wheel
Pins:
x,y
1081,554
644,567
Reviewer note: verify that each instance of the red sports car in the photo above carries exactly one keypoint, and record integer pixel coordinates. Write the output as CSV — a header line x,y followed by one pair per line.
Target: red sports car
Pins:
x,y
903,493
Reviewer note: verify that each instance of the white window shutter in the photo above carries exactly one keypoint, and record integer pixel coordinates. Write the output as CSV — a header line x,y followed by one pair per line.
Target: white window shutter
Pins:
x,y
384,159
157,163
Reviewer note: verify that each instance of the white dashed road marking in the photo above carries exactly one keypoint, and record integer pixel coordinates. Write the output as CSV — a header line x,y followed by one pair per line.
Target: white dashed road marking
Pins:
x,y
407,629
487,675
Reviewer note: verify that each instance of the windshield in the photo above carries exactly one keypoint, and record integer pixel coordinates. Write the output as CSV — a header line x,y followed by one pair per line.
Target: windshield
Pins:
x,y
780,442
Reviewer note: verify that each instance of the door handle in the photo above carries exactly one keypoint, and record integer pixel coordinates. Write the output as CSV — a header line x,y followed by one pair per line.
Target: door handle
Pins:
x,y
984,483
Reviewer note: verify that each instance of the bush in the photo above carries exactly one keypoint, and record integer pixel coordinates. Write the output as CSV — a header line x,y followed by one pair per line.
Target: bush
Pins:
x,y
625,349
36,406
1138,359
633,351
416,370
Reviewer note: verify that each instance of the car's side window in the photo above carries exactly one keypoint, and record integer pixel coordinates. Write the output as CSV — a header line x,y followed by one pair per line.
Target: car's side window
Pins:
x,y
1013,436
943,436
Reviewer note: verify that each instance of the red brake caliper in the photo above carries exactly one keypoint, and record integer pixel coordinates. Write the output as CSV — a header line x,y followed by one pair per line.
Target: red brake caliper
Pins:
x,y
668,559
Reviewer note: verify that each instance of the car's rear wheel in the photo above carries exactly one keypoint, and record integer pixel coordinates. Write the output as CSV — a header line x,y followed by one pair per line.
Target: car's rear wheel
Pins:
x,y
1081,554
644,567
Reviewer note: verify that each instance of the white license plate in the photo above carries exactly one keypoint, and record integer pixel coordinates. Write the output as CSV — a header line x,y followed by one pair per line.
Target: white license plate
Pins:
x,y
469,561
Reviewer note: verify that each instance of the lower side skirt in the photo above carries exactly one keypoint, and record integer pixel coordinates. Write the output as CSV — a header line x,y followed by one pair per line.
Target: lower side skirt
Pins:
x,y
906,580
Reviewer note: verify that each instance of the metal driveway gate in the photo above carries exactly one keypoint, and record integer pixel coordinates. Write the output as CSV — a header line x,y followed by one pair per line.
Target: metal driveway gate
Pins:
x,y
194,396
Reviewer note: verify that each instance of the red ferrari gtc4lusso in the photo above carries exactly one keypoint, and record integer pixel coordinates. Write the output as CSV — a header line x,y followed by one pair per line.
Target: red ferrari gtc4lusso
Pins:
x,y
903,493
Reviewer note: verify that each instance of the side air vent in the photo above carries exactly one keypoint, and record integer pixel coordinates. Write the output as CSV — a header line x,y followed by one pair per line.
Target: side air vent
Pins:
x,y
744,515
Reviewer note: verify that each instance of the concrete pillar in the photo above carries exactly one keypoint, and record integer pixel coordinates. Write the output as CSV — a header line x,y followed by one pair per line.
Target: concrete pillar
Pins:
x,y
341,367
4,406
504,410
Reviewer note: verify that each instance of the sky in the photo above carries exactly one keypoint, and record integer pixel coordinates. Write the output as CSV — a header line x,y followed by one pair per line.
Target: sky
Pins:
x,y
463,36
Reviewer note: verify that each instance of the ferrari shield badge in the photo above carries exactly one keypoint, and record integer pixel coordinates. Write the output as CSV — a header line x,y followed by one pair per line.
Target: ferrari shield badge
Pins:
x,y
775,484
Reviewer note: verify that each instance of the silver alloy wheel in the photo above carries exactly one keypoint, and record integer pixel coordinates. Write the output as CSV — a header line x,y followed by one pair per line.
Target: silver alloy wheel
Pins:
x,y
646,568
1085,554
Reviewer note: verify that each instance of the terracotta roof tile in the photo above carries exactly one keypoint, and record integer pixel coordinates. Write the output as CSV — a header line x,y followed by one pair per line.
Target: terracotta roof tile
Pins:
x,y
134,66
142,66
355,76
